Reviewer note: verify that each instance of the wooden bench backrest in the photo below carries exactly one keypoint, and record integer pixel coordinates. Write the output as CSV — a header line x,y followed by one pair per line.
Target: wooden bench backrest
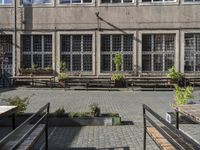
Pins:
x,y
167,130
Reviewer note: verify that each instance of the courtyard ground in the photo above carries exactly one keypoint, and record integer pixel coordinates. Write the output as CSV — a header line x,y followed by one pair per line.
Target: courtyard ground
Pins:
x,y
127,103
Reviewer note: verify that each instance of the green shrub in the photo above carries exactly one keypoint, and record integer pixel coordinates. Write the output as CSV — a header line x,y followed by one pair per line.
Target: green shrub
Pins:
x,y
21,104
62,76
63,66
118,61
182,95
117,77
60,112
174,75
112,114
72,114
94,110
82,114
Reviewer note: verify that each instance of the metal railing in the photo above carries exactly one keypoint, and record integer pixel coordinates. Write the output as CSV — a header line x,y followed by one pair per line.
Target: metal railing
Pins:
x,y
179,134
28,121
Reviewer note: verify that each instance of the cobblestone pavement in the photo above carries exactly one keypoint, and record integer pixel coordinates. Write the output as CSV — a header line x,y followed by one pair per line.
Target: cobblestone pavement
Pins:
x,y
127,103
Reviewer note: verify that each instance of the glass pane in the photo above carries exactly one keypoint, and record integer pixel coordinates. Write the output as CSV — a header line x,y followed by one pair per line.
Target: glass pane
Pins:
x,y
146,1
48,60
158,62
6,43
37,60
116,42
169,61
113,64
27,2
170,42
189,62
65,43
37,43
146,62
128,1
146,42
128,42
87,43
47,43
76,63
87,1
66,59
87,62
198,62
76,1
128,62
105,63
197,36
26,61
116,1
64,1
41,1
26,43
158,42
105,43
105,1
7,2
76,43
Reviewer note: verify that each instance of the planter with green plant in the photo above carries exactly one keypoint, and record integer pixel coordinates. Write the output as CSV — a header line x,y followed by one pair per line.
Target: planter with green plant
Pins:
x,y
62,77
182,96
118,77
174,76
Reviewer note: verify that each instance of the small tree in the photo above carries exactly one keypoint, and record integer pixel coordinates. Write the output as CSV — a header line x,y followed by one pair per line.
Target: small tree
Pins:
x,y
118,61
174,75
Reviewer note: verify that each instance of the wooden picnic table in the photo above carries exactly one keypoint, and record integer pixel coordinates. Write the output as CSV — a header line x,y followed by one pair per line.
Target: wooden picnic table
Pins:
x,y
191,111
7,111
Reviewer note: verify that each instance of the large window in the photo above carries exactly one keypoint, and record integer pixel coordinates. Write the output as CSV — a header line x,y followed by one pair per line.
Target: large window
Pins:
x,y
36,50
6,46
157,1
75,1
113,44
116,1
76,52
30,2
5,2
192,1
158,52
192,52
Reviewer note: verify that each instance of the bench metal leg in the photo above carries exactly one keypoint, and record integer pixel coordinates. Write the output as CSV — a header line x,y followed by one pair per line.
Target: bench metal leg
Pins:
x,y
177,119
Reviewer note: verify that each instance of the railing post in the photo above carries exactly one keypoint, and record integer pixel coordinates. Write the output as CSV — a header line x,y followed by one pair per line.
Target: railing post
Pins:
x,y
46,128
177,119
144,119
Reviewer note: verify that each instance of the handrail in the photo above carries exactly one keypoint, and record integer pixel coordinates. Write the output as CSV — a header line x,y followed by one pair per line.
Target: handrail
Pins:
x,y
8,137
179,133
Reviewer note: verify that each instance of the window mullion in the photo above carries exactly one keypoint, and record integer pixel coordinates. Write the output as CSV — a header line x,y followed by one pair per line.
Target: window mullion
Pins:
x,y
42,51
71,53
152,52
122,49
111,53
81,52
164,50
32,51
194,53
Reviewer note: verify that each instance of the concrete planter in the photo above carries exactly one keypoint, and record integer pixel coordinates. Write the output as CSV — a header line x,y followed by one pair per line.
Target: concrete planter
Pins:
x,y
171,118
65,121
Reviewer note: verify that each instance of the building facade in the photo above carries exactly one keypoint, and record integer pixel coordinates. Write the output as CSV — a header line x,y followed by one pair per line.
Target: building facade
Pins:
x,y
151,35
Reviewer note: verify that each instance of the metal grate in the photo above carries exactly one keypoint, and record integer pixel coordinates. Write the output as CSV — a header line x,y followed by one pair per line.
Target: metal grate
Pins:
x,y
158,52
192,52
76,52
113,44
38,48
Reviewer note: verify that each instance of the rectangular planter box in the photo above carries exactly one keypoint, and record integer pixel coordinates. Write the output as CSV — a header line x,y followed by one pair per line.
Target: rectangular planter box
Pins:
x,y
64,121
171,118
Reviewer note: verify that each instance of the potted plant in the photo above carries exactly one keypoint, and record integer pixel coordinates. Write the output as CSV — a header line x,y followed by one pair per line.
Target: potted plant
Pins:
x,y
118,77
62,77
182,97
174,75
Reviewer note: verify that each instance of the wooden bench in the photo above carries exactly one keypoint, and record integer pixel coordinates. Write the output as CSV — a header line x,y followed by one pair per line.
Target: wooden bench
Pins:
x,y
148,82
165,135
28,133
101,82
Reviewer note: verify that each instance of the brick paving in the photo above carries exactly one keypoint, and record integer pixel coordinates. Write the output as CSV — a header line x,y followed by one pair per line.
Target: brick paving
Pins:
x,y
127,103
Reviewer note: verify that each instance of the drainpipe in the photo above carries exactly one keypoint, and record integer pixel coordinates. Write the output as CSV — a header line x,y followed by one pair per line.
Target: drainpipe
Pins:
x,y
15,37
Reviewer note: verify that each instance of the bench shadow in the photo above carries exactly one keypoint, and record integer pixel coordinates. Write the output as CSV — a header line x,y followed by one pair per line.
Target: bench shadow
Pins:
x,y
127,123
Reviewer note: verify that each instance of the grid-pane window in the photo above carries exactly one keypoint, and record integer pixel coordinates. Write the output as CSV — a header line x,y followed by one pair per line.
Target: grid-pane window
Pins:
x,y
5,2
116,1
75,1
36,50
6,47
158,52
192,52
113,44
30,2
154,1
76,52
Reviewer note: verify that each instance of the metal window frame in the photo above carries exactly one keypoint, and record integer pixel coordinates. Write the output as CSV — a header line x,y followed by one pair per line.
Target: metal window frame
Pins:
x,y
163,52
75,3
111,52
42,53
194,52
122,2
82,53
3,3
